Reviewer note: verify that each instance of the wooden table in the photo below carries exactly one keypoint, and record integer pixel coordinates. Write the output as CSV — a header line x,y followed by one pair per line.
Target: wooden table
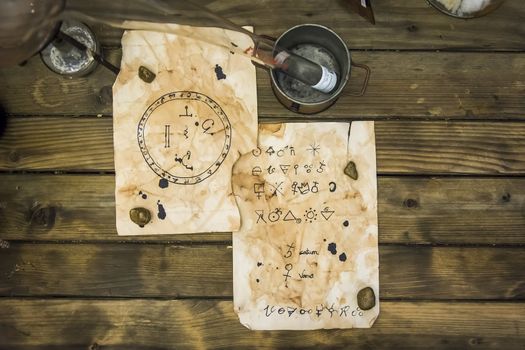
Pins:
x,y
448,97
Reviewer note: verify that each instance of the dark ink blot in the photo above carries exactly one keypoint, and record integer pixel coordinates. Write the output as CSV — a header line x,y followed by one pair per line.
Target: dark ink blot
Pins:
x,y
346,223
162,213
324,239
144,196
196,123
257,280
163,183
259,264
219,72
342,257
234,44
332,248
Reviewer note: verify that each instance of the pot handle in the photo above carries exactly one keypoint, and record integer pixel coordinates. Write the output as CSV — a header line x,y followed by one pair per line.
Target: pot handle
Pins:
x,y
365,82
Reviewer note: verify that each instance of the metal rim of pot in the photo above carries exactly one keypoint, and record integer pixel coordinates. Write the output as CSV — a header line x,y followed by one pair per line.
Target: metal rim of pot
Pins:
x,y
316,107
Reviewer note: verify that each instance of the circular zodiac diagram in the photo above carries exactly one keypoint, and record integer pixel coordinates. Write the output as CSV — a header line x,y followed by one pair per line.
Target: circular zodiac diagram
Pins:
x,y
184,137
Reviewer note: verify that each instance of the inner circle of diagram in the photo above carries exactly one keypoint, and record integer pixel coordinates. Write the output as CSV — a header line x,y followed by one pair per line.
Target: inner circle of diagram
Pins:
x,y
184,137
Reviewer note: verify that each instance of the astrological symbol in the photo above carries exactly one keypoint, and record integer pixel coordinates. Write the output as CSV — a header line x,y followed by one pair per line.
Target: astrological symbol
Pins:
x,y
289,253
308,168
256,171
167,135
327,213
310,215
292,151
186,113
284,168
258,189
314,148
319,311
302,188
331,310
256,152
186,133
314,188
280,152
344,309
296,166
260,216
206,126
277,188
271,169
290,216
270,150
290,310
321,167
332,186
182,160
275,215
288,267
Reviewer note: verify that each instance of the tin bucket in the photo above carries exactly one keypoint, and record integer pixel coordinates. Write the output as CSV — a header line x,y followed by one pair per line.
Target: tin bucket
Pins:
x,y
320,45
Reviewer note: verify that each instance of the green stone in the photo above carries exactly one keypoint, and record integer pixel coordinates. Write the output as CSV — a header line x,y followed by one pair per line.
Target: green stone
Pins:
x,y
351,170
366,298
140,216
146,75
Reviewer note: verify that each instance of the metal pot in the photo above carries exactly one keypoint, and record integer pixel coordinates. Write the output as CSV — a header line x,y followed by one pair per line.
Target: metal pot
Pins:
x,y
323,46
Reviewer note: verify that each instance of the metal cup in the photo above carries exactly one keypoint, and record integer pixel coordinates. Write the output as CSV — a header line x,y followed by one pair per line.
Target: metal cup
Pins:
x,y
320,45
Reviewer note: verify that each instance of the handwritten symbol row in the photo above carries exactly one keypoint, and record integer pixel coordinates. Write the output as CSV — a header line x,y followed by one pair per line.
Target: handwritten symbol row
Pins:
x,y
285,168
310,215
314,149
297,188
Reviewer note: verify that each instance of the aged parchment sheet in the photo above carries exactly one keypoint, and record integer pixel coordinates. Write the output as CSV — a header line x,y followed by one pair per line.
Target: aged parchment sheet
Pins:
x,y
306,255
178,131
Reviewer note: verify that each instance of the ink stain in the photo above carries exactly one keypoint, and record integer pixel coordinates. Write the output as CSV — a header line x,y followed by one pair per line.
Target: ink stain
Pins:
x,y
218,71
332,248
163,183
346,223
342,257
234,44
257,280
143,195
196,123
259,264
324,239
162,213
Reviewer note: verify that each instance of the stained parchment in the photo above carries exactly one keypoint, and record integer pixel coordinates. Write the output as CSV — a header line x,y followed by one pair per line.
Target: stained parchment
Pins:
x,y
178,131
306,255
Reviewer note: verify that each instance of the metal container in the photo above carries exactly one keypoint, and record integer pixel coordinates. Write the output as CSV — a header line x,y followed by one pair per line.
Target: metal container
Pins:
x,y
320,45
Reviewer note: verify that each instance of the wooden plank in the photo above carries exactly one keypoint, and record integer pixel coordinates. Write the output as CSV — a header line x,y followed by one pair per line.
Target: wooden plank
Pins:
x,y
182,324
411,210
407,24
403,147
204,270
425,85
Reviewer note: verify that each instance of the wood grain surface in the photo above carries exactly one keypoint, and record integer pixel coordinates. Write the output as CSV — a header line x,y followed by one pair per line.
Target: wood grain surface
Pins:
x,y
205,271
411,210
448,98
189,324
402,25
403,147
422,85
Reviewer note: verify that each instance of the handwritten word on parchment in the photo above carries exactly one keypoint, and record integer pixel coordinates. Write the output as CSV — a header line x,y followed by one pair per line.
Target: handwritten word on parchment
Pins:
x,y
306,255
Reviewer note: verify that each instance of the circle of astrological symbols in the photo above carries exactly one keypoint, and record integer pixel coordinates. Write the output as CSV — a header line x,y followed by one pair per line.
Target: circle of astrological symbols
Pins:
x,y
165,143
